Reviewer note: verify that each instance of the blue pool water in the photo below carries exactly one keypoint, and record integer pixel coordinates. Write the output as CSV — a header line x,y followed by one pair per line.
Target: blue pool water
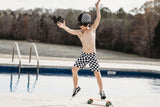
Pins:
x,y
55,84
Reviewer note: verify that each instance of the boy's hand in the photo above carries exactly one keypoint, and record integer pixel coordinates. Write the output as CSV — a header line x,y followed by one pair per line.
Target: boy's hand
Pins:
x,y
97,3
61,25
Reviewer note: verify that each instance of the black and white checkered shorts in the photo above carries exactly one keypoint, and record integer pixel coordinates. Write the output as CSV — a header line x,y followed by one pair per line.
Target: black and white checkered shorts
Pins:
x,y
87,58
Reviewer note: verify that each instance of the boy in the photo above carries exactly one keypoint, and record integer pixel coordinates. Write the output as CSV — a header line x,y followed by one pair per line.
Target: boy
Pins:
x,y
87,35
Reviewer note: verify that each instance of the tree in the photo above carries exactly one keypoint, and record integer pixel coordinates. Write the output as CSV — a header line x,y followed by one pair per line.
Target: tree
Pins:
x,y
121,13
156,39
150,21
157,7
105,12
119,31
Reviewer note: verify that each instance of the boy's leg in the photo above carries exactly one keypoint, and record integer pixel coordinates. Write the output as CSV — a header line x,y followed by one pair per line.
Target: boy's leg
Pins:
x,y
94,66
99,80
79,64
75,80
75,76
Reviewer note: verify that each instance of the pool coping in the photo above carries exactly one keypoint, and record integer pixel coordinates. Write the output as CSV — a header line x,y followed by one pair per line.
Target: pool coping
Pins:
x,y
68,64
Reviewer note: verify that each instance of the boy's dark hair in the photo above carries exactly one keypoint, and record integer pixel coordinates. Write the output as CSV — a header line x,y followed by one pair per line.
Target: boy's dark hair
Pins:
x,y
58,19
84,19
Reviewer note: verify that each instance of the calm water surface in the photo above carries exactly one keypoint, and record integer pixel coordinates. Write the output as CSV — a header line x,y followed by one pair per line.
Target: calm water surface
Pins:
x,y
25,83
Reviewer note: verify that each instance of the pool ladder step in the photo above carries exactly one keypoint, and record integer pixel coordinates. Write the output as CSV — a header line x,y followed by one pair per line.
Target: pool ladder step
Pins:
x,y
33,45
29,69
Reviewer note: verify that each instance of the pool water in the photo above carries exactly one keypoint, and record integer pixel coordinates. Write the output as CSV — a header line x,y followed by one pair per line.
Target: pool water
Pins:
x,y
60,85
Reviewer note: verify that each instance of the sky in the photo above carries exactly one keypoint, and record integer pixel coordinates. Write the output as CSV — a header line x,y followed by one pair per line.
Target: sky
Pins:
x,y
113,5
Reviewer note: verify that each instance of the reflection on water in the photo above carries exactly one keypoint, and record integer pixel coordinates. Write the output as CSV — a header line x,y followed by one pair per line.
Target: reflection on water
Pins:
x,y
156,85
156,82
22,83
30,87
14,86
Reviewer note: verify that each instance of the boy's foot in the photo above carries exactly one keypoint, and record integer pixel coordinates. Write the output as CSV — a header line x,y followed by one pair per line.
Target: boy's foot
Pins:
x,y
102,94
76,90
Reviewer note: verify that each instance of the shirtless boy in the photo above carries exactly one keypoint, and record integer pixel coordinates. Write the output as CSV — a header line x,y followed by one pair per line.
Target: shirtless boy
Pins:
x,y
87,36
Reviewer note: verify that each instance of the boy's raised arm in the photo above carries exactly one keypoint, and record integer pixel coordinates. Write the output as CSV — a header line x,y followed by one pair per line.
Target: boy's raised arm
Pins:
x,y
98,18
67,29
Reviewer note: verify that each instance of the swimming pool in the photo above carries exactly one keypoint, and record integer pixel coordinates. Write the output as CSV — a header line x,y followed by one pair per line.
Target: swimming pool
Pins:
x,y
55,84
52,89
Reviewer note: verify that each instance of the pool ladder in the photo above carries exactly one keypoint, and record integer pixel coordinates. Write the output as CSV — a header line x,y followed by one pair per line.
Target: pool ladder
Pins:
x,y
30,56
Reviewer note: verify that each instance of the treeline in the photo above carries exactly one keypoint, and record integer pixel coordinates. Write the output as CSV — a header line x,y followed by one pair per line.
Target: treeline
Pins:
x,y
118,31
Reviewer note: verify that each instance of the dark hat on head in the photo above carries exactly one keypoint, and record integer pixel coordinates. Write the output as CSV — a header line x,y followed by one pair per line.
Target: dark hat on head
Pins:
x,y
86,18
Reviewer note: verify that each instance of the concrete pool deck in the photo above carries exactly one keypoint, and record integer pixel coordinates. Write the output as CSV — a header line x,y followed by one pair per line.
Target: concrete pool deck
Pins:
x,y
49,100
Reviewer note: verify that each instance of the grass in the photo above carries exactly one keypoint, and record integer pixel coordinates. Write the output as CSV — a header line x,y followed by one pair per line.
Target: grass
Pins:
x,y
49,51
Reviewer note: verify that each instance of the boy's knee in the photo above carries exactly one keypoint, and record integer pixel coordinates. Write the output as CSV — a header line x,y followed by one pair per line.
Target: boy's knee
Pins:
x,y
97,73
75,69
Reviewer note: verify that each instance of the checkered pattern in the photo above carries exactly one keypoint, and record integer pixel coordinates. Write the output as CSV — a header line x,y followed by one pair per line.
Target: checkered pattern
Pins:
x,y
86,18
87,58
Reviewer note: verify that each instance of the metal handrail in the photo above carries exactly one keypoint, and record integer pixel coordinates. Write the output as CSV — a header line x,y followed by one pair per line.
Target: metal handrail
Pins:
x,y
19,55
37,56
